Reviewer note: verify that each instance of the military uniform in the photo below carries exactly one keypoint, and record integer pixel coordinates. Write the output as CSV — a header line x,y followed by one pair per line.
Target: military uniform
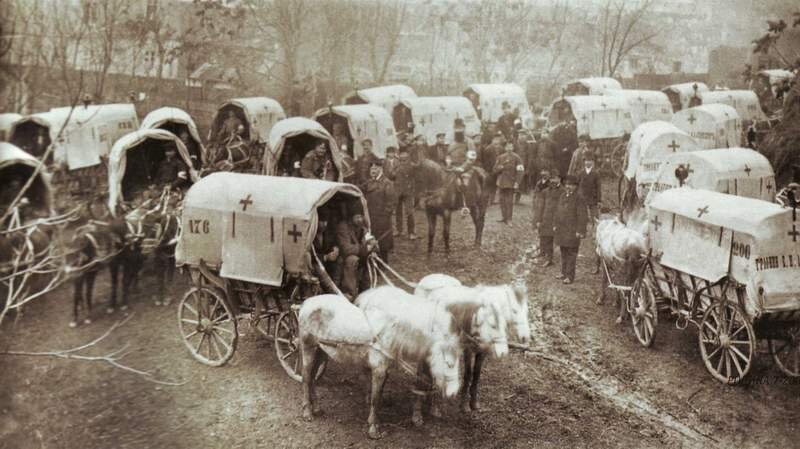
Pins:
x,y
362,168
487,160
405,180
381,199
438,153
505,124
458,152
509,170
315,166
545,199
168,171
570,220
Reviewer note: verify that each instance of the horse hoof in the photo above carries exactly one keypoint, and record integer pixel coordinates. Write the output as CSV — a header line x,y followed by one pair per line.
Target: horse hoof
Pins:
x,y
374,433
308,415
73,324
110,310
475,405
87,321
465,407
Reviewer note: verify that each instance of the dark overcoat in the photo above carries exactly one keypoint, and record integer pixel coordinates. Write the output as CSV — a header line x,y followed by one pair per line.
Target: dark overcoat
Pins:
x,y
570,219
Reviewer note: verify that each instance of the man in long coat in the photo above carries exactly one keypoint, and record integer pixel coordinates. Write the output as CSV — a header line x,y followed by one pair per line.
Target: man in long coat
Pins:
x,y
545,199
509,170
461,145
354,249
487,160
569,227
364,163
438,151
381,200
405,187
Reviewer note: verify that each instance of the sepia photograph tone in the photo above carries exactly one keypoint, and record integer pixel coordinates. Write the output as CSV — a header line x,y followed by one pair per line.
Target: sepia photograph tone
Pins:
x,y
444,224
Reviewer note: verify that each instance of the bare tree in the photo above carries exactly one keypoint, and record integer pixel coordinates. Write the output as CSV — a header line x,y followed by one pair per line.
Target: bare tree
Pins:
x,y
336,43
104,19
382,22
623,30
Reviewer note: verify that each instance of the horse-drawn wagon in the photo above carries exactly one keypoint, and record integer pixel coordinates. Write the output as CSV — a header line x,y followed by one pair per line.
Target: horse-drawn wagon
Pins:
x,y
651,143
7,120
247,242
735,171
488,101
430,116
358,122
590,86
386,97
745,102
645,105
178,122
685,95
289,142
711,125
606,120
239,132
728,265
768,85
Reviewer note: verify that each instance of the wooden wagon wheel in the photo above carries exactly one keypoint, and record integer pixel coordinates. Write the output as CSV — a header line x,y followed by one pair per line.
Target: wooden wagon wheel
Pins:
x,y
643,309
617,159
727,342
287,347
786,352
208,326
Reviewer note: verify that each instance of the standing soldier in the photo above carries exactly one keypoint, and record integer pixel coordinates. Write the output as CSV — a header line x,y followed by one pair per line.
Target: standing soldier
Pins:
x,y
438,152
488,160
506,121
405,187
381,199
364,162
317,164
579,155
509,170
545,199
457,152
589,188
569,228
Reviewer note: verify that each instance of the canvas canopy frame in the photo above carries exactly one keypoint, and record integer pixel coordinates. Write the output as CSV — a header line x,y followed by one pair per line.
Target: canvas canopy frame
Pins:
x,y
645,105
256,228
750,242
7,121
711,125
434,115
386,97
745,102
294,127
15,161
650,144
364,121
734,171
259,115
488,101
597,116
135,141
591,86
166,117
681,94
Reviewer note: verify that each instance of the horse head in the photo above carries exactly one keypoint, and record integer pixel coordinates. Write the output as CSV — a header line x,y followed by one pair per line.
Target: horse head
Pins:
x,y
443,362
489,324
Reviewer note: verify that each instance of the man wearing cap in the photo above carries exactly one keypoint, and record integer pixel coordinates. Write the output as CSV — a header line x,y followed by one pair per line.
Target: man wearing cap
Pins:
x,y
317,164
354,246
171,171
506,121
509,170
488,160
438,151
545,199
381,200
579,155
569,227
405,188
364,162
230,126
457,152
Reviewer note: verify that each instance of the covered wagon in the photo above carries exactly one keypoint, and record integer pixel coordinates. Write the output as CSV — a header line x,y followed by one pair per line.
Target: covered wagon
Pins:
x,y
256,114
247,243
645,105
177,121
135,159
745,102
433,115
685,95
651,143
386,97
735,171
591,86
7,120
711,125
488,99
16,167
354,123
289,142
728,265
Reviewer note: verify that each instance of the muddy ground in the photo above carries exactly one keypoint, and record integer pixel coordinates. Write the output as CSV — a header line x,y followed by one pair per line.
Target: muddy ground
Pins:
x,y
589,383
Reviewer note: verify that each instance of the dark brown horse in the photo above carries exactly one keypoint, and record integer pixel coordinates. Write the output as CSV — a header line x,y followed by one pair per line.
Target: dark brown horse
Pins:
x,y
449,190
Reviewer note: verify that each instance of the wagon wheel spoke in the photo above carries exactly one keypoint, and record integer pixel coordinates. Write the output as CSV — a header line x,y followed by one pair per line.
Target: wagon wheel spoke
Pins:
x,y
733,353
739,353
727,355
710,327
296,363
284,341
199,344
713,353
648,326
221,340
186,320
192,334
721,359
224,329
213,344
190,308
738,330
288,354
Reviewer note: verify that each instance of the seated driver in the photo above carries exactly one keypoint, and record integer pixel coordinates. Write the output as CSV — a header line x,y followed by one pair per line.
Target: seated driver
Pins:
x,y
355,244
328,254
317,164
171,171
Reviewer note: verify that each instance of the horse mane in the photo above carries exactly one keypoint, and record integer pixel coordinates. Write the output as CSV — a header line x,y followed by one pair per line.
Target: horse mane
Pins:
x,y
463,315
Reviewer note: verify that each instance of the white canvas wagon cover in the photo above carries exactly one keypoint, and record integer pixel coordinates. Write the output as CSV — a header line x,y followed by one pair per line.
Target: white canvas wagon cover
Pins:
x,y
745,102
386,97
596,85
645,105
711,125
735,171
252,227
650,144
295,126
492,96
261,113
7,120
434,115
776,76
158,117
41,193
366,121
685,91
598,116
118,159
712,235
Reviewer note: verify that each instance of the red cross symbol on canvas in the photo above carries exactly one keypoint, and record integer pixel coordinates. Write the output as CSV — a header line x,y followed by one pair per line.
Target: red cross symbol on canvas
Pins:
x,y
692,119
294,233
673,146
701,211
246,202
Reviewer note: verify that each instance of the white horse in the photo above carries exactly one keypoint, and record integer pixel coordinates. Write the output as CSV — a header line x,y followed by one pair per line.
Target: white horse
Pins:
x,y
511,300
432,282
622,247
